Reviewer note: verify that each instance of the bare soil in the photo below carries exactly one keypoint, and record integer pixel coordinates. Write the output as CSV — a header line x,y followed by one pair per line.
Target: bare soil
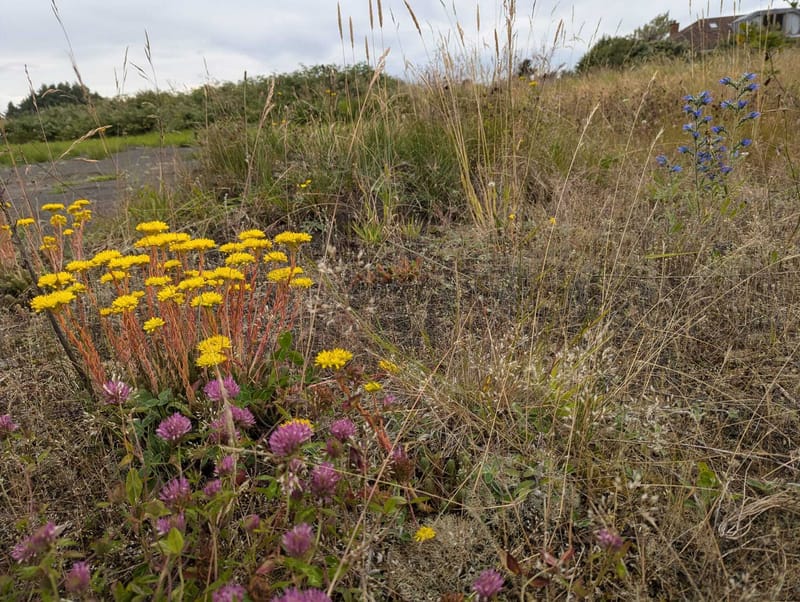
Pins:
x,y
105,182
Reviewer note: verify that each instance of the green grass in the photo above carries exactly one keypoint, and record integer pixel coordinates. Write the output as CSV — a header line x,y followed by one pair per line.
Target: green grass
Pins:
x,y
91,148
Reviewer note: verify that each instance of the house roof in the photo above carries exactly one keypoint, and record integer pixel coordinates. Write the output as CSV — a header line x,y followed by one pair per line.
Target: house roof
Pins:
x,y
705,34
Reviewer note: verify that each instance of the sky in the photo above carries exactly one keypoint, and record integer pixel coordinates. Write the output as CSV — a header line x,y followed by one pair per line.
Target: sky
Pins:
x,y
124,46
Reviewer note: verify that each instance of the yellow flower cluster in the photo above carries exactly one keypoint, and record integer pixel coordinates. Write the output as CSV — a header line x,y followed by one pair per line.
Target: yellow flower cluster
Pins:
x,y
424,534
52,301
372,386
58,280
153,324
292,239
207,299
283,275
212,351
336,359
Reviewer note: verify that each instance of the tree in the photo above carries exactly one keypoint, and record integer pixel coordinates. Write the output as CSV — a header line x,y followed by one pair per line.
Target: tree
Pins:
x,y
54,95
656,29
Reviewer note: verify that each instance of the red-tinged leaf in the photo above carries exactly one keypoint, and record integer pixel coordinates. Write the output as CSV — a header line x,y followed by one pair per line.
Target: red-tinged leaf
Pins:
x,y
567,555
452,597
549,559
510,563
540,582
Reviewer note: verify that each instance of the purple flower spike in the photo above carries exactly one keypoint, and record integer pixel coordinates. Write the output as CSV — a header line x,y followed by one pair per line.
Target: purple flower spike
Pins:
x,y
343,429
116,392
230,592
297,542
172,429
488,584
214,389
30,547
78,578
289,436
324,479
175,492
7,426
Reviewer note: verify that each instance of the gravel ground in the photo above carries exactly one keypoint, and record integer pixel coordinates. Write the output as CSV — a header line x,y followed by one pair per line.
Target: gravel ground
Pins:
x,y
105,182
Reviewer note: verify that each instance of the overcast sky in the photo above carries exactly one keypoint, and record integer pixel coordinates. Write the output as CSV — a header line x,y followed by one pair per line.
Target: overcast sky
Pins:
x,y
196,41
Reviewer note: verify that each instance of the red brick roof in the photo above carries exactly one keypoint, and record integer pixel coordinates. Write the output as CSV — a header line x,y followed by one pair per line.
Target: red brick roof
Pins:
x,y
706,34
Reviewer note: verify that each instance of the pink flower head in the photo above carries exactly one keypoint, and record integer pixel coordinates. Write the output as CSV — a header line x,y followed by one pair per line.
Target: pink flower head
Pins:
x,y
212,488
297,542
225,466
230,592
343,429
173,429
218,430
323,480
608,540
116,392
175,492
289,436
167,523
38,543
297,595
488,584
78,578
242,417
251,522
7,425
214,389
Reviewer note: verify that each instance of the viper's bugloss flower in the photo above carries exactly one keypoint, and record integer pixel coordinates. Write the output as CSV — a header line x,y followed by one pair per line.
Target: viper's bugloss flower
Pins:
x,y
725,81
78,578
116,392
746,142
36,544
343,429
173,429
297,542
175,492
230,592
487,585
324,479
289,436
661,160
7,425
294,594
608,540
214,388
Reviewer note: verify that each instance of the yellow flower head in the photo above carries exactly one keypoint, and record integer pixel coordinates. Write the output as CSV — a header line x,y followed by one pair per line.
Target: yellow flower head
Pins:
x,y
152,325
104,257
52,207
301,282
68,232
190,284
217,343
226,273
255,244
170,293
58,221
76,206
194,244
239,259
25,221
157,281
127,262
276,257
208,299
125,303
171,263
292,239
58,280
78,217
52,301
251,234
335,359
232,247
155,227
209,359
389,367
113,276
372,386
283,275
424,534
305,421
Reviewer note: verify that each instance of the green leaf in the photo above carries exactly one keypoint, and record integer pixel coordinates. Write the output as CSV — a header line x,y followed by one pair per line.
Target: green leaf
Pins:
x,y
173,543
133,486
392,503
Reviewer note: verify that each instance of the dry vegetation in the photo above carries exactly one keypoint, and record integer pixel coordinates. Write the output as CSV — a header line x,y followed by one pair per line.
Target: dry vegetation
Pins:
x,y
582,348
